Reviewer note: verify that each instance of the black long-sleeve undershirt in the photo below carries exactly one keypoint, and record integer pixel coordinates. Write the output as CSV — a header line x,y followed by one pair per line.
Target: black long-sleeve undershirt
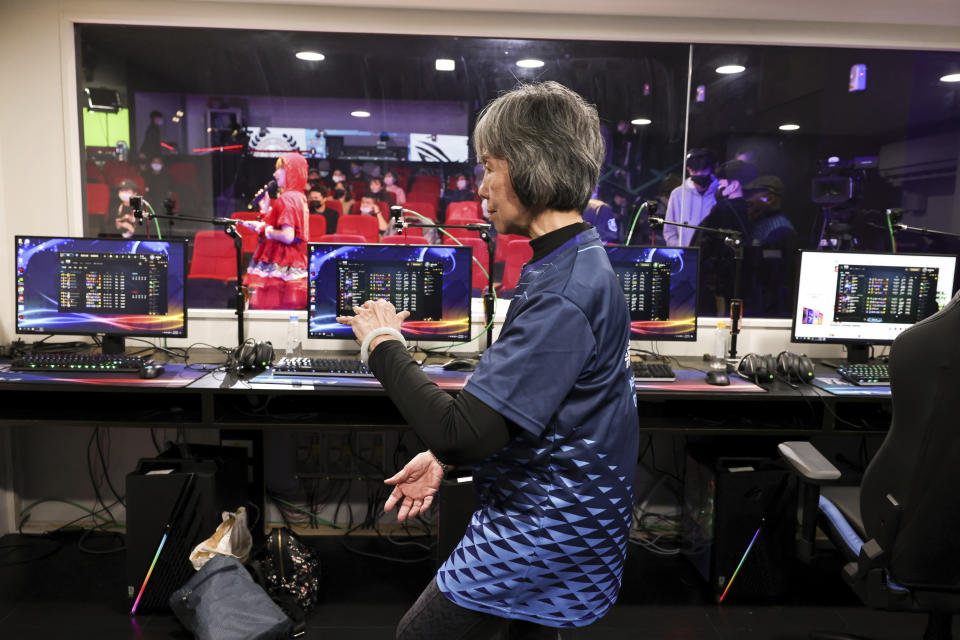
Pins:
x,y
461,430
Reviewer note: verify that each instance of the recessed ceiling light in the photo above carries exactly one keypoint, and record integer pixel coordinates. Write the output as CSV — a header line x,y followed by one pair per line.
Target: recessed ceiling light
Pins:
x,y
445,64
641,121
360,114
950,77
731,68
530,63
789,127
312,56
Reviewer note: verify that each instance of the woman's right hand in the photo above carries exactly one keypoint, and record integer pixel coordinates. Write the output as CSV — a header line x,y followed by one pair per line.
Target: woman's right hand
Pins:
x,y
415,485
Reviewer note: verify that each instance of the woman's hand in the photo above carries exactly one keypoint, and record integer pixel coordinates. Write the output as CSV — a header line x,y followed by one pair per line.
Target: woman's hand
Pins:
x,y
415,484
374,314
253,225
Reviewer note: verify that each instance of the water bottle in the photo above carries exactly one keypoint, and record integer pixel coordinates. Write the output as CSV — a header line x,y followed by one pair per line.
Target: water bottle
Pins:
x,y
720,342
294,348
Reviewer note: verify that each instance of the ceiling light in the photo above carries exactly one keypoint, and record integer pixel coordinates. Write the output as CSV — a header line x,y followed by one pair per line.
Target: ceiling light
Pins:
x,y
789,127
360,114
445,64
530,63
728,69
312,56
641,121
950,77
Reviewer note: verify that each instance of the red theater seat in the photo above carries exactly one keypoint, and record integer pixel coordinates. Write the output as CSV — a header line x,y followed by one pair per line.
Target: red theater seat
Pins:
x,y
518,253
479,248
502,241
366,226
425,209
214,257
463,210
183,172
336,205
98,198
342,238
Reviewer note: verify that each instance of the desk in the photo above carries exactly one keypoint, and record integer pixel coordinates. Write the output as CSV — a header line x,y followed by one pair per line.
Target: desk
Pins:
x,y
219,400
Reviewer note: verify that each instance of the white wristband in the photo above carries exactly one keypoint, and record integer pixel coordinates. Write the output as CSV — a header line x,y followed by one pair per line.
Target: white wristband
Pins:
x,y
379,331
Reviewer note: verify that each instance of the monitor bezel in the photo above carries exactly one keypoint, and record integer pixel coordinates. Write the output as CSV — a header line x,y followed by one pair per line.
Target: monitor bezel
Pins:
x,y
696,289
139,334
796,294
470,337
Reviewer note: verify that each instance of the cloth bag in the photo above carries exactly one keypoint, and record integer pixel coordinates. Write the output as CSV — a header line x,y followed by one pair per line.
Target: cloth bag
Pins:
x,y
222,602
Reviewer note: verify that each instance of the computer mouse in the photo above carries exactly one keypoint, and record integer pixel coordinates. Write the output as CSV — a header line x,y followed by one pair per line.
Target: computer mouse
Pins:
x,y
151,371
461,364
717,377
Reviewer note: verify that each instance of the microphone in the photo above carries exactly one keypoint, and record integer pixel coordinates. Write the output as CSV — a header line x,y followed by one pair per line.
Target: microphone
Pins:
x,y
259,195
396,213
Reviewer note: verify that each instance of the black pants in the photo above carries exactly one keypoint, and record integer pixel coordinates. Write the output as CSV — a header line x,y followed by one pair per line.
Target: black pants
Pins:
x,y
434,617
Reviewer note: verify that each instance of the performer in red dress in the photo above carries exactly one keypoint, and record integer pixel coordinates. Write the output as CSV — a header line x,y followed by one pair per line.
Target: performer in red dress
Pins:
x,y
277,276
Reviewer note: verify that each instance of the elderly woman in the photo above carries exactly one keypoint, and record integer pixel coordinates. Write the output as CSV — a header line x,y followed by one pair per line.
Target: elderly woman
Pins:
x,y
549,417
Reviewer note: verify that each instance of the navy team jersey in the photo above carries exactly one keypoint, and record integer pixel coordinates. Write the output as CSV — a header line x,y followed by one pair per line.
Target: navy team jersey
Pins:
x,y
549,540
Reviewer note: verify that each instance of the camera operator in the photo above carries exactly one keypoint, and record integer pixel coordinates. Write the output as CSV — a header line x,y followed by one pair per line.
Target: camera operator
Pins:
x,y
772,244
695,197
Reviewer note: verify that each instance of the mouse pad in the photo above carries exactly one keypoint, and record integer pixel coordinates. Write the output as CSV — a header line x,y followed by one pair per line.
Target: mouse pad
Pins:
x,y
693,380
450,380
840,387
174,376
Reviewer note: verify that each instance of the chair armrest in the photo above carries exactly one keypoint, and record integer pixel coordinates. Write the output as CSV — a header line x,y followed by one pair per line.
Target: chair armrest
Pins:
x,y
808,462
813,470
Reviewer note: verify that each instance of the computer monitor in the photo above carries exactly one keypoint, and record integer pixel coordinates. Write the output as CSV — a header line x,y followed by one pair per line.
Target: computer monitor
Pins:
x,y
88,286
660,285
860,299
432,282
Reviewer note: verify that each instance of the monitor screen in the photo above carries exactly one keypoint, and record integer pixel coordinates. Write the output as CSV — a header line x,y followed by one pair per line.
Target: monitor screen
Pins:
x,y
868,297
660,284
432,282
83,286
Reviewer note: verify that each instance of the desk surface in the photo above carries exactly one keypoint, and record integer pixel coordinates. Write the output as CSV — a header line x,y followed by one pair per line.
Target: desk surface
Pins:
x,y
192,397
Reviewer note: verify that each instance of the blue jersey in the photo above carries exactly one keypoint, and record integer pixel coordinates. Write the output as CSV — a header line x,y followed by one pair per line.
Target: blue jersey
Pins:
x,y
549,540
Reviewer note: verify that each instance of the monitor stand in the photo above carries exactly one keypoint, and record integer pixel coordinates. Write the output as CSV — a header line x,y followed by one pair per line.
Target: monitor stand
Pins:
x,y
858,353
112,344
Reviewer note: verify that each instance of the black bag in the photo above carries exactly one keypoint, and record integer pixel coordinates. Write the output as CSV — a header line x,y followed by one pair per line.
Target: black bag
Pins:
x,y
289,570
222,602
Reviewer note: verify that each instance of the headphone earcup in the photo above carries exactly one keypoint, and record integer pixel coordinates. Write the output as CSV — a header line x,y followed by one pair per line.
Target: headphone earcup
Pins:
x,y
805,368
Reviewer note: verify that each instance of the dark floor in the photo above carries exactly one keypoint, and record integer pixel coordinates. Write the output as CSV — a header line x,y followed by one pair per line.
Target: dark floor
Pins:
x,y
74,595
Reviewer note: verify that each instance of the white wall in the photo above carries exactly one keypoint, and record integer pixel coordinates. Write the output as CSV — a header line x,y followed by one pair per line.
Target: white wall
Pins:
x,y
40,189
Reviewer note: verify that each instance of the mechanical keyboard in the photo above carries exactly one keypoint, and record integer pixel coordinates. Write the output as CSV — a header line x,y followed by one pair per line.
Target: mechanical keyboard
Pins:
x,y
306,367
652,372
865,375
110,363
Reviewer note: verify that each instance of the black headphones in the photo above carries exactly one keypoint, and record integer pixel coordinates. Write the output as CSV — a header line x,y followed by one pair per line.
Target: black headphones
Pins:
x,y
795,366
252,356
762,369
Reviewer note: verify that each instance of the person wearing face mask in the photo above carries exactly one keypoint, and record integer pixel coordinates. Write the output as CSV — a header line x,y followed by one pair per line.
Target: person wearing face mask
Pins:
x,y
159,183
337,177
460,193
277,275
369,207
318,207
390,182
356,171
342,194
126,222
692,201
717,265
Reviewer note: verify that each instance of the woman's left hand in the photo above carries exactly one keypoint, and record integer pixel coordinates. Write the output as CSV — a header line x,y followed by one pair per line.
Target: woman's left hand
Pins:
x,y
374,314
253,225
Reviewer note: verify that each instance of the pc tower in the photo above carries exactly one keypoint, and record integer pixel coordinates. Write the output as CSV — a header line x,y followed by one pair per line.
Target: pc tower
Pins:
x,y
455,506
726,501
160,492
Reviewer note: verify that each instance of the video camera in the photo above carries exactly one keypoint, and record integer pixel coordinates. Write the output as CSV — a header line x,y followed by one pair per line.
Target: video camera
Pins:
x,y
840,182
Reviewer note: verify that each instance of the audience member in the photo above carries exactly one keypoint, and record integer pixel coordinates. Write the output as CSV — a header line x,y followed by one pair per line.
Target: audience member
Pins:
x,y
343,195
337,177
375,186
369,207
126,222
390,180
691,202
318,206
159,183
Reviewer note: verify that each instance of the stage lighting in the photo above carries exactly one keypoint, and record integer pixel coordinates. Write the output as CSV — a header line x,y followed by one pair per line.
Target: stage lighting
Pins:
x,y
445,64
641,121
729,69
310,56
530,63
360,114
789,127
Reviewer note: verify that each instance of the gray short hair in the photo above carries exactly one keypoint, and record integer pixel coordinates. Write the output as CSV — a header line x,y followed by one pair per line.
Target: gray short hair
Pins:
x,y
550,139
